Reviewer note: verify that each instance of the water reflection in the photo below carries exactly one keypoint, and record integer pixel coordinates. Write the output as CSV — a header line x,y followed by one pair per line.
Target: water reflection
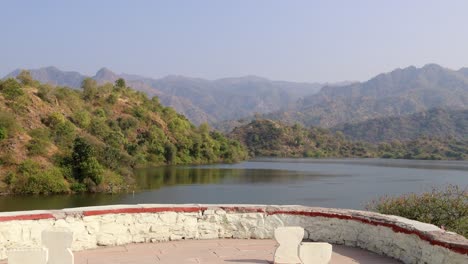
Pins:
x,y
327,183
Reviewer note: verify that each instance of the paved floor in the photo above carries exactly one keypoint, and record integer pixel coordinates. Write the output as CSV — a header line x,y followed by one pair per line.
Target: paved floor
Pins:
x,y
211,251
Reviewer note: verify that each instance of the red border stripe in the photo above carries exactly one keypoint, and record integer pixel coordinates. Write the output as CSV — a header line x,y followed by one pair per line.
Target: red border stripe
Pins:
x,y
26,217
144,210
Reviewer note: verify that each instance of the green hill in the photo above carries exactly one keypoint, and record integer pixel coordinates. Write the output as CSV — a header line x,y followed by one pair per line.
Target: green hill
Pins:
x,y
271,138
59,140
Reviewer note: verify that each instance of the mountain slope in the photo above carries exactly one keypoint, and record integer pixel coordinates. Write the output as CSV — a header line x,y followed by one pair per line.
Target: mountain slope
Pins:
x,y
54,76
400,92
436,123
57,140
199,99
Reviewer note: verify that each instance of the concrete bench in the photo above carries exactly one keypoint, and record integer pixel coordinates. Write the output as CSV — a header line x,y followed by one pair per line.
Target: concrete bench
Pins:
x,y
27,256
292,251
56,250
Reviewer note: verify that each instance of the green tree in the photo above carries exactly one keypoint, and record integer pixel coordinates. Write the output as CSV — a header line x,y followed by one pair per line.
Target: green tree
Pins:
x,y
90,89
170,153
120,84
84,163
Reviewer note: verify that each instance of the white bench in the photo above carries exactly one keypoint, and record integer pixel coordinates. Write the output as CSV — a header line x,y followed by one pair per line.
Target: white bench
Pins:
x,y
292,251
56,250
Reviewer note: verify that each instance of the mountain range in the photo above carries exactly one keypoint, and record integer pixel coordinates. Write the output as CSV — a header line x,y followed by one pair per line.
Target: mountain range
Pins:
x,y
230,102
434,123
200,100
398,93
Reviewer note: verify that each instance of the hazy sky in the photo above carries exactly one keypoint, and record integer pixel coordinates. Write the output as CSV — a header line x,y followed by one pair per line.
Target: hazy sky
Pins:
x,y
308,40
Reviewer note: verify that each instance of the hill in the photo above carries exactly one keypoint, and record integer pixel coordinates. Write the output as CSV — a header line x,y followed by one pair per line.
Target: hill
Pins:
x,y
272,138
398,93
437,123
56,139
199,99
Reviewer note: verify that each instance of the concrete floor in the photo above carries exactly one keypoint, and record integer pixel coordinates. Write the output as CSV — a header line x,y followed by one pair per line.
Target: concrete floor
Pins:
x,y
211,251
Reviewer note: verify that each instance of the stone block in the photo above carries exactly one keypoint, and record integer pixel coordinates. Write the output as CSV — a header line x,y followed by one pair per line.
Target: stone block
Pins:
x,y
315,253
58,243
289,239
27,256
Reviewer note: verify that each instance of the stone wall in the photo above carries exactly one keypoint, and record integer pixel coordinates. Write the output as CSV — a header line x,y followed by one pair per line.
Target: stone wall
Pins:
x,y
400,238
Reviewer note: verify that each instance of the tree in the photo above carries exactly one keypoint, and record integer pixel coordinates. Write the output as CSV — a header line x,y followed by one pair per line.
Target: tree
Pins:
x,y
25,78
84,163
120,83
89,87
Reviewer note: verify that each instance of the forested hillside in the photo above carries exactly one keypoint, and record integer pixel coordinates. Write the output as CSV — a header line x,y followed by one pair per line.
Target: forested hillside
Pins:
x,y
435,123
59,140
271,138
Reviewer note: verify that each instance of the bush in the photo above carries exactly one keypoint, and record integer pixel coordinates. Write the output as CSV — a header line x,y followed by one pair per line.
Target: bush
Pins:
x,y
446,208
11,89
8,123
82,119
44,91
39,143
112,99
32,179
63,131
78,187
3,133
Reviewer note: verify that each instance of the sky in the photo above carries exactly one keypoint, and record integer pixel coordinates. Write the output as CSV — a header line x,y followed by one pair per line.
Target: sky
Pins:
x,y
294,40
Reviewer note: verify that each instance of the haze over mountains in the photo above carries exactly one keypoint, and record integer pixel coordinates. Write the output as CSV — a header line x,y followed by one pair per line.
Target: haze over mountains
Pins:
x,y
222,102
434,123
398,93
199,99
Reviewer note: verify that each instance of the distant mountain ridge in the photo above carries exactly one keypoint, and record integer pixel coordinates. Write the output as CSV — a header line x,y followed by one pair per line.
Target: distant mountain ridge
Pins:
x,y
435,123
199,99
398,93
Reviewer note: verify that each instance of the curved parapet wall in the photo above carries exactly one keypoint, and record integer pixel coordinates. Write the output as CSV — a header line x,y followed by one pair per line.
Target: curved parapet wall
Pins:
x,y
397,237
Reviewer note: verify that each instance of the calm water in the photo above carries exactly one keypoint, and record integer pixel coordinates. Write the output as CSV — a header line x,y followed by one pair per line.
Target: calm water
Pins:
x,y
327,183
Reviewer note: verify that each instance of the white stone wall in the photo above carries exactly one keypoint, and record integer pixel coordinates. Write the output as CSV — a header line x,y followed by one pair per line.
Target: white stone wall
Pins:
x,y
116,225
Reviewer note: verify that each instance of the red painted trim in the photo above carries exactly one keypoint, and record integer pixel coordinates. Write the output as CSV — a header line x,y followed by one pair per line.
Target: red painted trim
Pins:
x,y
144,210
26,217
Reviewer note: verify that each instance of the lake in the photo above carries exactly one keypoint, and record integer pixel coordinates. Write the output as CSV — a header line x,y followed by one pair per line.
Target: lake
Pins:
x,y
341,183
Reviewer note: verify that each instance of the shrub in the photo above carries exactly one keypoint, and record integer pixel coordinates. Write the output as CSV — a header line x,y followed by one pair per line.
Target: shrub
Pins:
x,y
112,99
11,89
78,187
26,79
8,123
127,123
33,179
99,128
10,178
3,133
44,91
63,131
82,119
445,207
39,143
